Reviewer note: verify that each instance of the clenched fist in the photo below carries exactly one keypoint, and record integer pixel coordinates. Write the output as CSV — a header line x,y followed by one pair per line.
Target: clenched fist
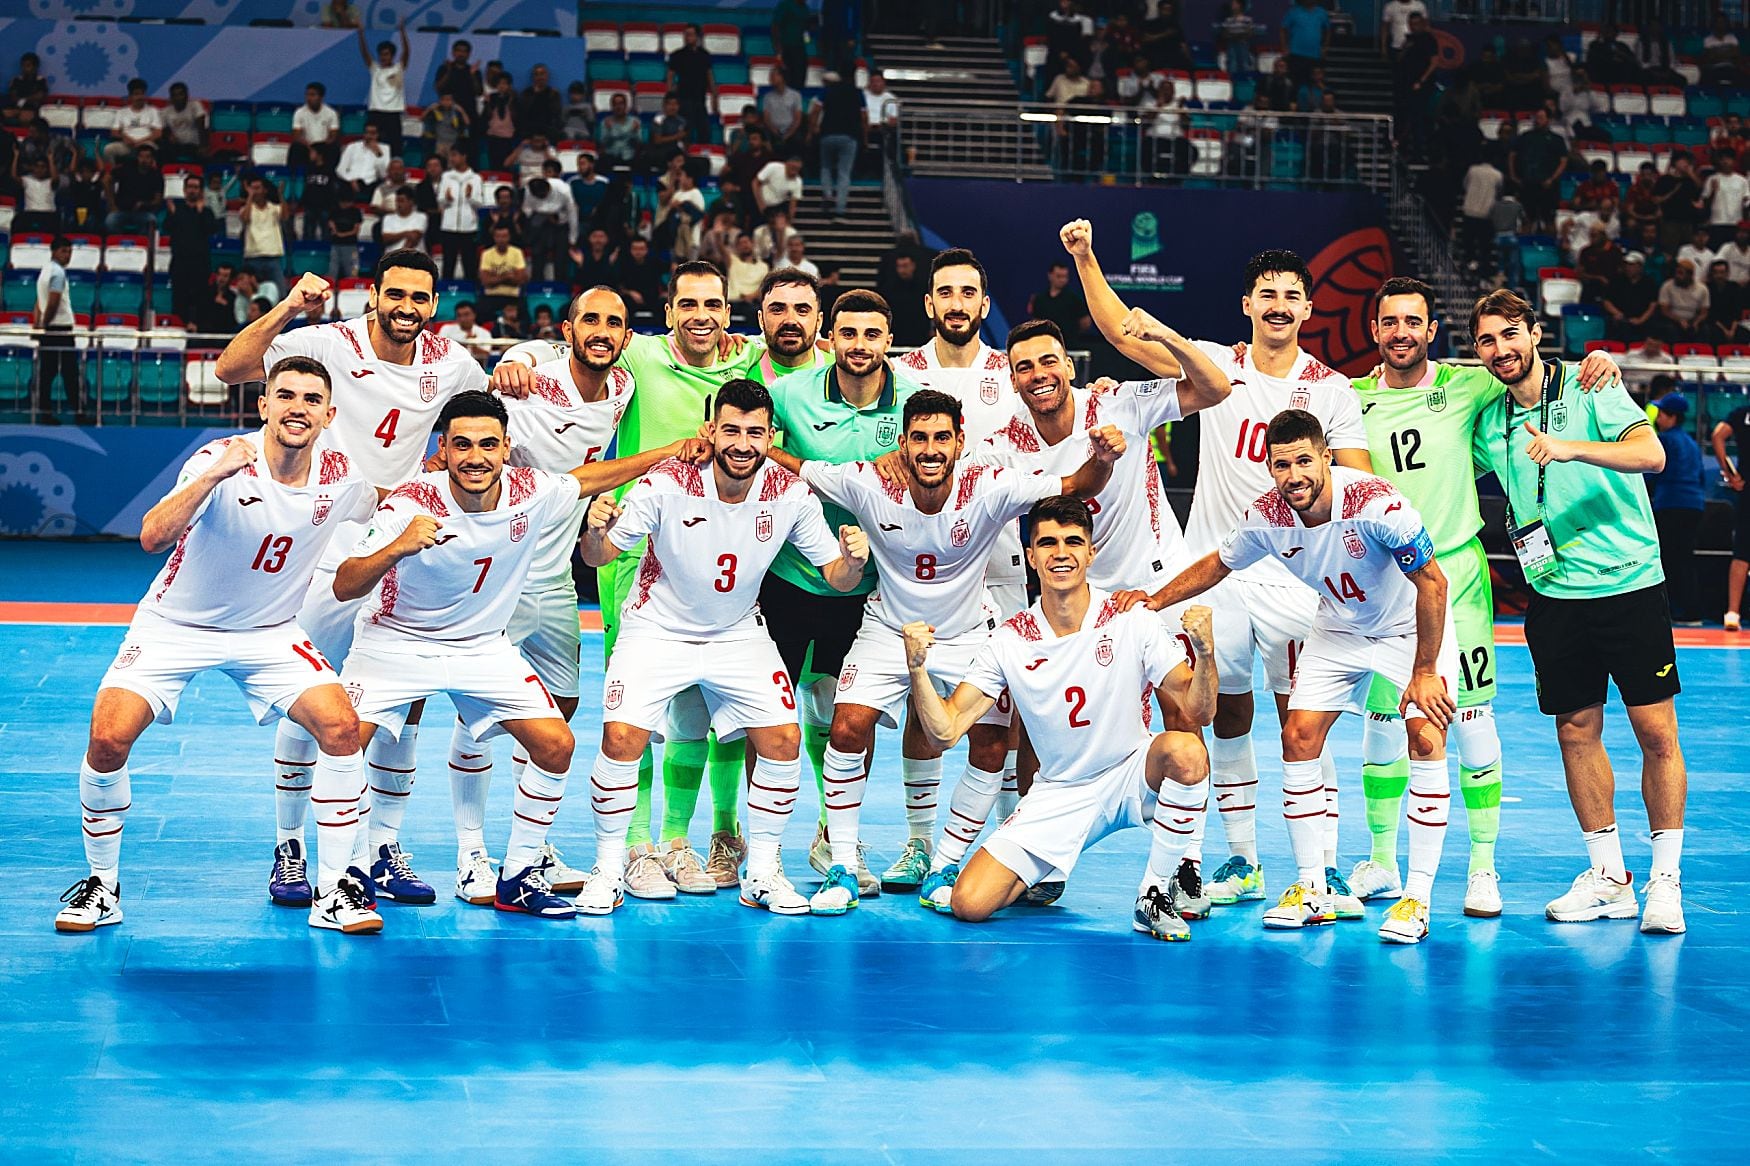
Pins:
x,y
603,513
1199,624
919,638
1078,238
1142,326
1106,443
513,379
310,292
420,535
236,454
854,544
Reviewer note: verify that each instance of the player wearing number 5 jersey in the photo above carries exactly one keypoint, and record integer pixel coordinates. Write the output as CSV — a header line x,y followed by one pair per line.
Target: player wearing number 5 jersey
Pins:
x,y
693,620
1362,550
249,518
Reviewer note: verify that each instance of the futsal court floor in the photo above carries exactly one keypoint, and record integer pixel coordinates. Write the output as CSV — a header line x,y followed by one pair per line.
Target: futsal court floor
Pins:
x,y
211,1026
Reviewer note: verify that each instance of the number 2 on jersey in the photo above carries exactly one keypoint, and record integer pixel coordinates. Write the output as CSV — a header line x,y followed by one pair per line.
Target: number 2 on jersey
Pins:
x,y
1077,700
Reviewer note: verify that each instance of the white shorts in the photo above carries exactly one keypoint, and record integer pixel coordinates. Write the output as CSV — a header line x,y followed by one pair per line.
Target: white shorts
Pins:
x,y
1054,823
330,622
273,666
1007,598
1337,668
488,685
875,674
1263,618
743,683
544,627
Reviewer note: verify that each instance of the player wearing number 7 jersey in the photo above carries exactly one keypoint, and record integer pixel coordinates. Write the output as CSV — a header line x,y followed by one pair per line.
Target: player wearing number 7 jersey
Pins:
x,y
249,518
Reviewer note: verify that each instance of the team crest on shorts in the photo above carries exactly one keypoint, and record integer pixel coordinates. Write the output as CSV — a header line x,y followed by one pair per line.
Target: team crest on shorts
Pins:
x,y
127,656
988,390
1103,652
1300,399
1353,544
519,526
961,534
762,528
428,386
324,504
615,693
847,678
887,432
354,694
1437,400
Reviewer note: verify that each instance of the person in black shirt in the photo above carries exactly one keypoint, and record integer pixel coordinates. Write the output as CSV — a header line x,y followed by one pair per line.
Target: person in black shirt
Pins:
x,y
539,108
26,93
669,135
136,191
83,200
504,214
425,196
1413,85
321,191
1725,304
905,291
216,315
639,277
344,224
460,78
1678,193
190,227
1061,304
841,120
1631,301
595,259
690,78
1609,61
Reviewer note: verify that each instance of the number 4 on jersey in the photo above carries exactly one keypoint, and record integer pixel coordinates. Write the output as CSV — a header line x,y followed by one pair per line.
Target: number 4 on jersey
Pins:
x,y
386,431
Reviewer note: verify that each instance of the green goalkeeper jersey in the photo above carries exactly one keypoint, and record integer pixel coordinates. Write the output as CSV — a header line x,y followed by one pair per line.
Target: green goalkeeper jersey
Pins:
x,y
1420,438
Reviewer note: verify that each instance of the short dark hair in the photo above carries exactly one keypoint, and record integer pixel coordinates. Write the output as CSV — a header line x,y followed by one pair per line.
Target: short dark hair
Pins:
x,y
405,191
1292,425
175,85
137,85
1060,508
58,242
460,304
1028,329
1276,262
1404,285
741,393
930,403
383,44
1505,303
696,267
462,44
321,89
960,257
303,364
861,301
405,257
472,403
787,277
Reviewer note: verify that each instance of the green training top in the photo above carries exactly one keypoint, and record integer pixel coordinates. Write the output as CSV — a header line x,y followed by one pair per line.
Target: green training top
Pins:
x,y
1599,520
1420,437
671,398
816,423
769,372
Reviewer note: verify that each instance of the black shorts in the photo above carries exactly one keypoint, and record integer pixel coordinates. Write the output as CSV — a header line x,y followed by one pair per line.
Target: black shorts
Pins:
x,y
813,632
1741,534
1579,645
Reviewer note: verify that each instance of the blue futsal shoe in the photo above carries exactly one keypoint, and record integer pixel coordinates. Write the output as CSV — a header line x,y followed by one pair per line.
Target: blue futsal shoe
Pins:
x,y
938,887
395,878
837,895
527,893
289,884
365,884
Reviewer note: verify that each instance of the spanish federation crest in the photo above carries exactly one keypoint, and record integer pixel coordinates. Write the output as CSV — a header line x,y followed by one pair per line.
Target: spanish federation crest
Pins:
x,y
1353,544
614,694
1558,415
887,432
987,390
847,678
324,504
762,528
128,655
1300,399
960,534
1103,652
1436,400
428,386
355,693
519,526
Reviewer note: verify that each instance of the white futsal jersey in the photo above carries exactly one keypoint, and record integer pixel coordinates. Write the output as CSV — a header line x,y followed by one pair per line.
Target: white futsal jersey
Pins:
x,y
932,565
1357,562
700,576
1136,534
1084,697
987,401
248,553
1232,459
553,429
460,592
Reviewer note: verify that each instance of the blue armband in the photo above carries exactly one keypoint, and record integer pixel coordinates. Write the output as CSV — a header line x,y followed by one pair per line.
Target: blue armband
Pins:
x,y
1417,554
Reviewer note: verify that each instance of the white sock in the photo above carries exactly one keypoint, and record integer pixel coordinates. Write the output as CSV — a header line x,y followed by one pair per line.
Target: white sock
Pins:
x,y
294,763
968,810
1234,779
613,795
1668,852
104,799
845,779
922,780
771,796
1328,766
1430,803
1177,811
1604,848
519,761
533,808
470,782
1010,795
391,764
1303,808
337,784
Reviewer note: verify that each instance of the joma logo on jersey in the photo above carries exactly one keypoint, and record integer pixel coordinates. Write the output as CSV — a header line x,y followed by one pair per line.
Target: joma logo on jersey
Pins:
x,y
987,390
762,527
428,387
1103,652
519,526
961,534
1437,400
887,432
615,693
1353,544
1300,399
324,504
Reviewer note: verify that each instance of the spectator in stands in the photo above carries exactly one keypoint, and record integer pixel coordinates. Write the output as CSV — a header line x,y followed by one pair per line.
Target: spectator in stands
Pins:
x,y
388,93
539,108
1575,107
772,238
718,239
315,121
1233,40
467,331
136,193
905,290
1726,194
1600,262
425,190
796,256
1312,91
36,209
1536,166
1609,61
345,222
1641,204
461,193
498,116
552,226
639,277
1279,88
1678,495
841,123
383,198
459,76
781,107
1060,303
1069,85
1306,34
736,136
595,259
217,313
1416,57
755,153
1163,37
85,200
321,191
733,197
504,213
1655,56
881,109
669,135
1527,85
136,124
26,93
405,226
1736,254
1558,66
1679,193
1483,184
1491,78
620,135
779,186
56,353
340,14
504,269
1647,243
1632,300
746,272
1725,304
530,158
363,164
509,325
588,188
1641,365
830,288
1069,34
1683,306
791,22
691,80
264,243
1394,25
185,127
443,125
1719,52
190,227
544,327
1598,186
579,121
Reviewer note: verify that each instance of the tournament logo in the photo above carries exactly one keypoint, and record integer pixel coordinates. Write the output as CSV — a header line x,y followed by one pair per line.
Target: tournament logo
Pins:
x,y
1300,399
428,387
1145,236
1353,544
1103,652
987,390
887,432
324,504
762,528
1437,400
1558,415
615,693
961,534
847,678
128,655
519,526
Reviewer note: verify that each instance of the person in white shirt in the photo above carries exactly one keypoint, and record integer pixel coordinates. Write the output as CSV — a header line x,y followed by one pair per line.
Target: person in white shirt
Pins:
x,y
136,124
771,238
461,194
1394,22
37,211
363,164
778,186
394,178
796,256
315,121
1361,548
551,214
1726,194
1736,255
1482,190
246,523
746,272
467,331
1698,251
404,227
55,347
388,96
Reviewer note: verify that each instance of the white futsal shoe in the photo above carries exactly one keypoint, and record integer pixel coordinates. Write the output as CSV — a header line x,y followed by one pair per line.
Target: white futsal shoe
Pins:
x,y
1482,895
476,880
774,892
1375,880
1406,922
600,895
1663,914
343,908
1592,896
90,904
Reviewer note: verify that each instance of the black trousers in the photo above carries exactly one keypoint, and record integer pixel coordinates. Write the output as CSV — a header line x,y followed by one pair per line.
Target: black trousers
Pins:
x,y
388,129
1677,534
56,353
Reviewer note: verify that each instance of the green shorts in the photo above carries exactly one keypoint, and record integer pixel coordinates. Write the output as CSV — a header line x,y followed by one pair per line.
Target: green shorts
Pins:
x,y
1473,622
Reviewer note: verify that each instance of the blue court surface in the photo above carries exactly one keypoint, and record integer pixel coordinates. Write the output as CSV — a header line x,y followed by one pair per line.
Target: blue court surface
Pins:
x,y
213,1026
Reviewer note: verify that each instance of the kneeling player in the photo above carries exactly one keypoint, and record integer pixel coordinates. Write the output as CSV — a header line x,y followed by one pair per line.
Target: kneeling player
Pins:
x,y
1382,609
693,620
1076,668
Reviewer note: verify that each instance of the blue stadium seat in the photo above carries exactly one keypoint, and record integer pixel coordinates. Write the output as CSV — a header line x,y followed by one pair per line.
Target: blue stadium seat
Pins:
x,y
121,291
273,119
82,291
160,378
1705,103
16,373
646,68
552,295
605,67
1537,251
232,117
18,291
309,257
1580,324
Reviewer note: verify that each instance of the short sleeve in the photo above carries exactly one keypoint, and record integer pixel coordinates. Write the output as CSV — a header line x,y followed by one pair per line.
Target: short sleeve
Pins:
x,y
194,467
1616,412
1241,548
1022,487
364,503
297,342
1161,650
810,534
985,673
640,511
386,526
1345,430
1398,526
558,491
836,483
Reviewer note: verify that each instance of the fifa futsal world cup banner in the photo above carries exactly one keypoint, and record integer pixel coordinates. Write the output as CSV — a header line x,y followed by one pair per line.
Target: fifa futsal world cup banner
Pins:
x,y
1177,254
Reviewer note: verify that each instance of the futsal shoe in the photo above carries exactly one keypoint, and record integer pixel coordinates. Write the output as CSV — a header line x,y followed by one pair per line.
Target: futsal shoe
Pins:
x,y
1482,895
1592,896
476,881
1664,911
395,879
1371,880
1344,902
1236,881
909,870
937,890
645,878
837,895
1190,897
724,858
1155,915
1044,894
1406,922
527,893
773,892
1733,622
289,885
565,880
344,908
90,905
680,862
820,858
1300,906
600,895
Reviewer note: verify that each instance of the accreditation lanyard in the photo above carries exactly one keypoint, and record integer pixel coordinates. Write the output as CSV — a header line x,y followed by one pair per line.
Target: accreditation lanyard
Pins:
x,y
1531,542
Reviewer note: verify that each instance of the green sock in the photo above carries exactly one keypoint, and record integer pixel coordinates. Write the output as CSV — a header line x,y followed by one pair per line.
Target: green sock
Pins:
x,y
683,769
727,765
1384,786
638,833
1482,809
814,740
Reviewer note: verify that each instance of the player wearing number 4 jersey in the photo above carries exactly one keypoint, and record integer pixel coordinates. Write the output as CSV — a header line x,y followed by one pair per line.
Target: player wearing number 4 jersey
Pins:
x,y
249,518
693,620
1361,548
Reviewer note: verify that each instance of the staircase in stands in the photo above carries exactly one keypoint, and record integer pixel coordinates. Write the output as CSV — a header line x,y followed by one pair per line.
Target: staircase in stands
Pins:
x,y
961,73
855,244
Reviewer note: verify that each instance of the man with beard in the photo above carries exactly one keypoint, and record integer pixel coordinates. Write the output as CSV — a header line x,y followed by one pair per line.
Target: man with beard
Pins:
x,y
694,624
1579,519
